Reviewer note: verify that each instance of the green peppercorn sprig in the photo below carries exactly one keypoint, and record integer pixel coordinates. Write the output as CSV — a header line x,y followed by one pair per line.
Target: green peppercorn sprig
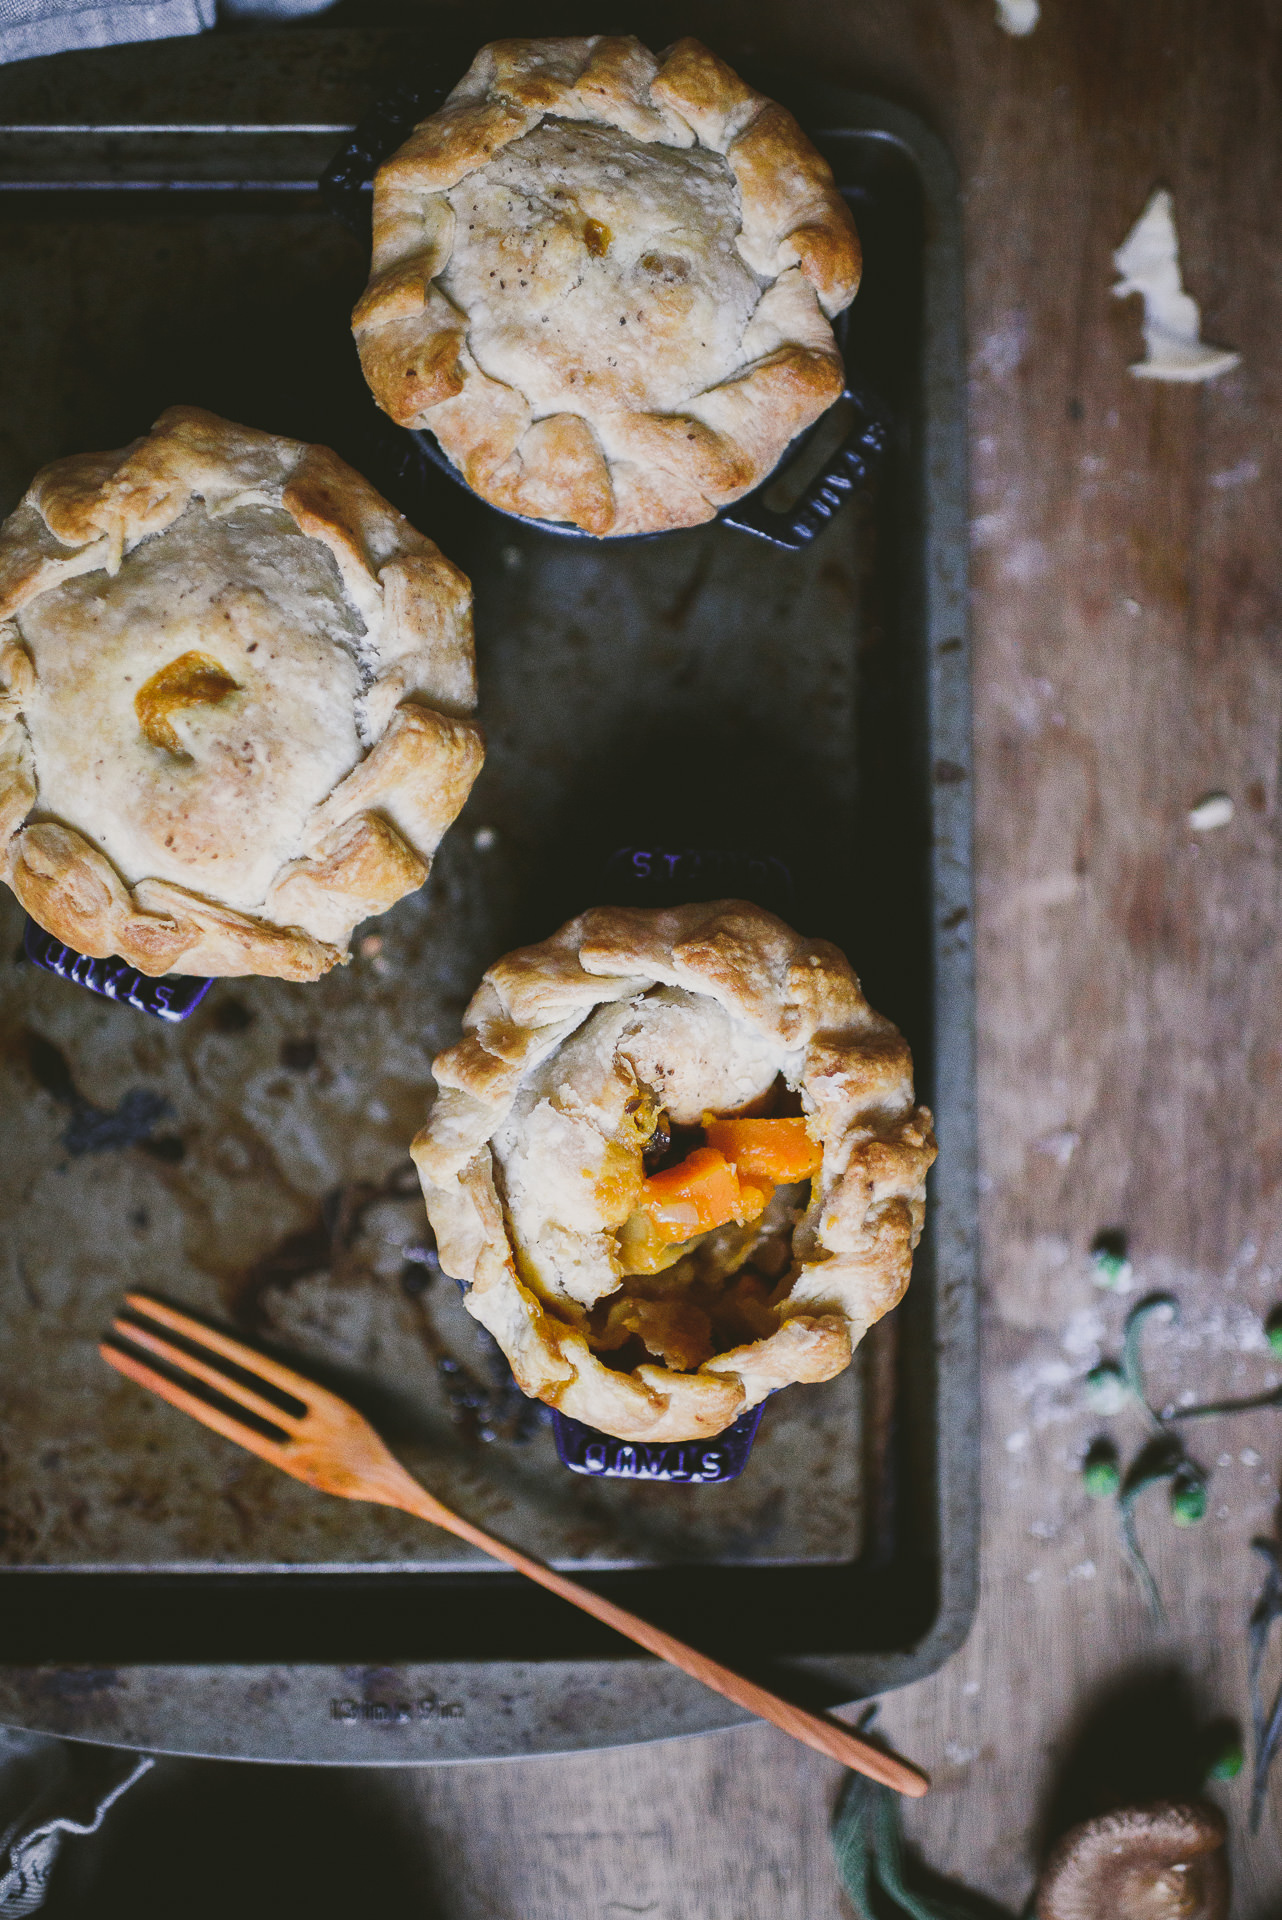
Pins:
x,y
1112,1387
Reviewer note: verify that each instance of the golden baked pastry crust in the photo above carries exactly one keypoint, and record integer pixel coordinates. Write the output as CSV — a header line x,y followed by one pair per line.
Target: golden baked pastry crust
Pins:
x,y
668,250
233,694
526,1121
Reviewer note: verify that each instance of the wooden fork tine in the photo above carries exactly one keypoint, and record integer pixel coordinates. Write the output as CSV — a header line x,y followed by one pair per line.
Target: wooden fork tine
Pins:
x,y
187,1363
145,1376
247,1357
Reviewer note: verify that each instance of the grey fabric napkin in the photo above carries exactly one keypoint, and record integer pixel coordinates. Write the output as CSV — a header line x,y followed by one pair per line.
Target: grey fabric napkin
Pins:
x,y
48,1790
30,28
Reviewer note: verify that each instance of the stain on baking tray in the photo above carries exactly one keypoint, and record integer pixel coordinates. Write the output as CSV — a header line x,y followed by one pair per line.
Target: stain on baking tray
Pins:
x,y
70,1683
483,1410
497,1411
91,1128
299,1055
19,1538
324,1244
229,1015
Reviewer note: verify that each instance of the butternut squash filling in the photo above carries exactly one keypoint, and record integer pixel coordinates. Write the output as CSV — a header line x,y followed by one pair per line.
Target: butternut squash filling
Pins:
x,y
709,1240
193,680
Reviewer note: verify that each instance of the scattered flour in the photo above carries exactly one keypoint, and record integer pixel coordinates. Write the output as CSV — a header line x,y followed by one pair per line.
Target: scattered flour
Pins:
x,y
1239,476
1059,1146
1018,17
1002,350
1052,1388
1211,811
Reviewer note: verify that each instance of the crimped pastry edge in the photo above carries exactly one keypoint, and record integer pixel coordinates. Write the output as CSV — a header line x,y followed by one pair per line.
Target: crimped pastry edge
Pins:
x,y
625,473
83,514
853,1249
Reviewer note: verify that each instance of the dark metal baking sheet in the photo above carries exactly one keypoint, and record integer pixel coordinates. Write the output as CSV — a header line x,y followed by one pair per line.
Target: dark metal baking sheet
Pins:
x,y
702,689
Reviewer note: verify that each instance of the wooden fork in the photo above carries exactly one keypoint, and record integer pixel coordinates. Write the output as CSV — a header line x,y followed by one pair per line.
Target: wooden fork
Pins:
x,y
313,1435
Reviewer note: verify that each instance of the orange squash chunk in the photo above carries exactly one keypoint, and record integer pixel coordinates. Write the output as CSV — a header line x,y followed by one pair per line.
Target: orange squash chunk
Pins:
x,y
702,1193
777,1151
192,680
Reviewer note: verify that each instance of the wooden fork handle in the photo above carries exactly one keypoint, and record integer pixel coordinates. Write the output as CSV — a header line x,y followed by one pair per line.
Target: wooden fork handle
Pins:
x,y
826,1736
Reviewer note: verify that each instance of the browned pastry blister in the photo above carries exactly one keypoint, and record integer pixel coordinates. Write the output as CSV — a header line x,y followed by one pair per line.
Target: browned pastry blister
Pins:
x,y
234,696
604,280
530,1163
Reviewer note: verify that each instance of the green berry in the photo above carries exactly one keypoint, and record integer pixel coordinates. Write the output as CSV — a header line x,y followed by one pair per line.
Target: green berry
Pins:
x,y
1101,1475
1273,1329
1188,1499
1112,1269
1106,1389
1227,1763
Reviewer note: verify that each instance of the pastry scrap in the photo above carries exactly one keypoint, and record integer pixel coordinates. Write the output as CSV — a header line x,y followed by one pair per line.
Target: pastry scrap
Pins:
x,y
677,1161
234,689
604,279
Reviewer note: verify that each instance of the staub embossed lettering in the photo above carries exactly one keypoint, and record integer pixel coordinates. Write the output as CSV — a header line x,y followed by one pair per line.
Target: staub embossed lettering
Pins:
x,y
395,1713
583,1450
171,998
663,874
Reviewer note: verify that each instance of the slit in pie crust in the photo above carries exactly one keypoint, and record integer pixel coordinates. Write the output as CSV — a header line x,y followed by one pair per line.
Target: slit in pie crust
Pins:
x,y
604,280
532,1164
234,698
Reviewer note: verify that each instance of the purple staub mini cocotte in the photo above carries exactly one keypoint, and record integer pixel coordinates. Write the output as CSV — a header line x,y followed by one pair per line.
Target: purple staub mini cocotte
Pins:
x,y
689,1462
170,997
661,876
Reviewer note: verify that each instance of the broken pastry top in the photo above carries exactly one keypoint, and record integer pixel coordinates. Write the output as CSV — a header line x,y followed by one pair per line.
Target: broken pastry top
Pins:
x,y
604,280
233,694
677,1161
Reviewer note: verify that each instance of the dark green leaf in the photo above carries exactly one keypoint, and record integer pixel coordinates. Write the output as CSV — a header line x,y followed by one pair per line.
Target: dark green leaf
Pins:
x,y
1266,1723
868,1844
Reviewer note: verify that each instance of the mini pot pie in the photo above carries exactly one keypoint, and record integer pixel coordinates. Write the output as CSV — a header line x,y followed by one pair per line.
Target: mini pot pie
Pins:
x,y
604,279
677,1161
233,694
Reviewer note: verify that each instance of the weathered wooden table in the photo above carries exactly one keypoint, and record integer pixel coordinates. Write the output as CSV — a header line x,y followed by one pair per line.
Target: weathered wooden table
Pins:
x,y
1126,620
1127,616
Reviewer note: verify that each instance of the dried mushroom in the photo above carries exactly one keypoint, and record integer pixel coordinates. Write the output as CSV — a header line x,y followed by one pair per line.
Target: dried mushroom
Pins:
x,y
1160,1862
